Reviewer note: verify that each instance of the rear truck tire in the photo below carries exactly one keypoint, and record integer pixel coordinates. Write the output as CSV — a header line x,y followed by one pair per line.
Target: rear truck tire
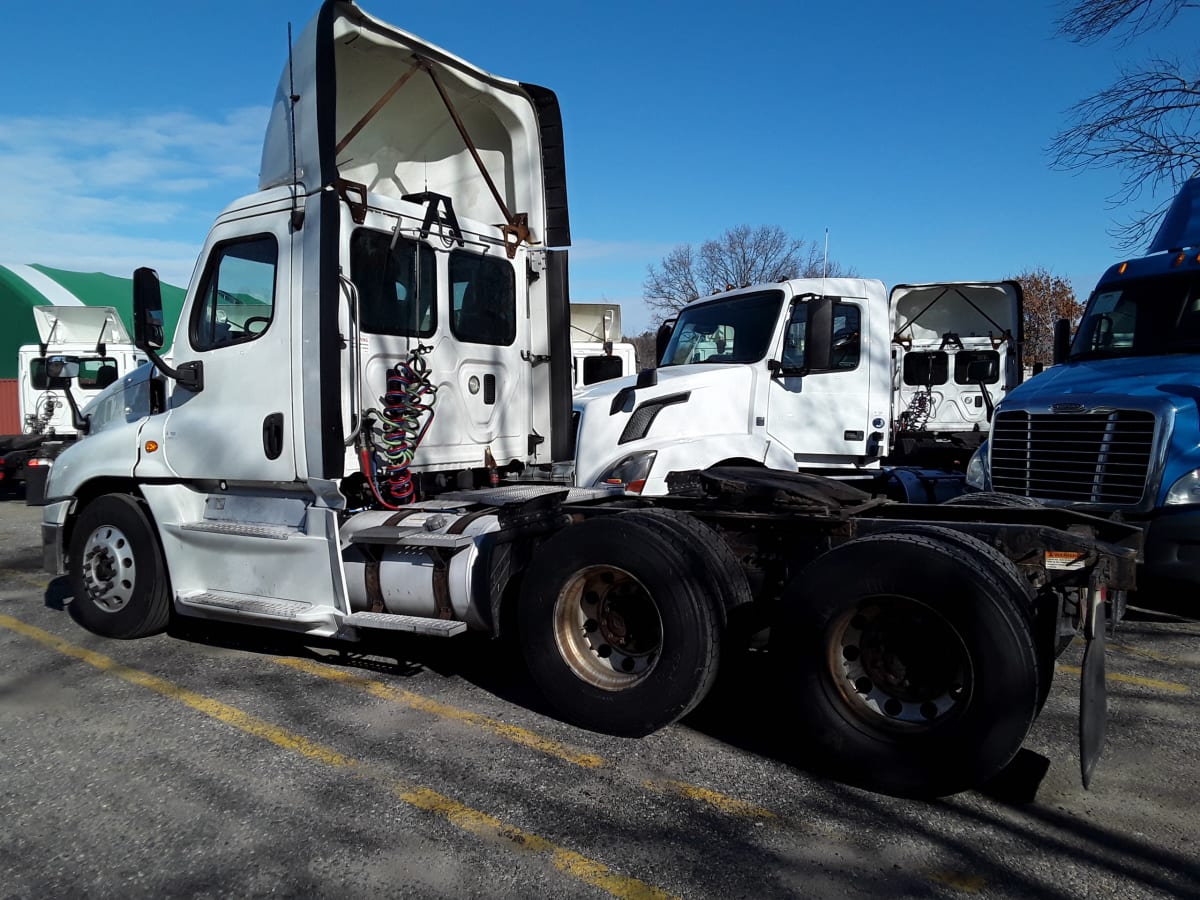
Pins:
x,y
1005,570
619,625
118,577
911,667
994,498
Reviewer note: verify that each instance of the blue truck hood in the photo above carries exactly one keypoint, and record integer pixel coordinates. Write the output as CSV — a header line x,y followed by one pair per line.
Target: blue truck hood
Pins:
x,y
1134,376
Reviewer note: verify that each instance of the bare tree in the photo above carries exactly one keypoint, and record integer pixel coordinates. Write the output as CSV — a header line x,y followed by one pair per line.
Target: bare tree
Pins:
x,y
741,256
1048,298
1145,124
1087,21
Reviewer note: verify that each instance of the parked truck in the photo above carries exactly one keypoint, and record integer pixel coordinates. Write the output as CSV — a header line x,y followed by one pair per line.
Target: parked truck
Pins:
x,y
93,336
377,450
1112,427
902,401
597,351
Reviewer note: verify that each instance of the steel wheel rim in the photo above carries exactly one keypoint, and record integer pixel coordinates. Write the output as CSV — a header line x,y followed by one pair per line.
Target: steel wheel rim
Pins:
x,y
899,664
109,569
607,627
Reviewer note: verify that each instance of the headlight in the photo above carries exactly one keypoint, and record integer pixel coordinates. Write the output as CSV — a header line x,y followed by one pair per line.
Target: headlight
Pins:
x,y
1185,490
978,475
631,472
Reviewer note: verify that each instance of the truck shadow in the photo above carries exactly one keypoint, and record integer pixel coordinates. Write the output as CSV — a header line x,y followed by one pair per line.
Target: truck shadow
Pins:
x,y
738,711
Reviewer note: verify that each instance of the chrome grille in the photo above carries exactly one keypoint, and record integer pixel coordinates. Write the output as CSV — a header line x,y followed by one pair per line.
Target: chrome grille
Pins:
x,y
1101,457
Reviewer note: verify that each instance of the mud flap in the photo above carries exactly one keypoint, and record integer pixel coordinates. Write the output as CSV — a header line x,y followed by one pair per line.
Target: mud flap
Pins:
x,y
1093,696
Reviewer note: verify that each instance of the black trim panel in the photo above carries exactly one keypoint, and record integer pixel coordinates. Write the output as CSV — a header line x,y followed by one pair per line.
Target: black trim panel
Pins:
x,y
554,165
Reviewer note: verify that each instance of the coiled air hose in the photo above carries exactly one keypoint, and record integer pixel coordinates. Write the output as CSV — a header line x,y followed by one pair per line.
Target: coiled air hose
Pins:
x,y
390,437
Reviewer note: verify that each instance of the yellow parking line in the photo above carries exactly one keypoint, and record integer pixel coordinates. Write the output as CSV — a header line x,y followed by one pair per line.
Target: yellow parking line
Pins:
x,y
471,820
383,691
516,734
726,804
1171,687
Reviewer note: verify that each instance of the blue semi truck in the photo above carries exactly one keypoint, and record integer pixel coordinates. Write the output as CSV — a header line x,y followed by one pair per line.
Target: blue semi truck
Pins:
x,y
1114,426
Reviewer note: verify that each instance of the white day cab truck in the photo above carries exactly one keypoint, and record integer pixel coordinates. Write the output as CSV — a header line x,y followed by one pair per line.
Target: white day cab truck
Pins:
x,y
901,401
1112,427
597,351
378,449
96,339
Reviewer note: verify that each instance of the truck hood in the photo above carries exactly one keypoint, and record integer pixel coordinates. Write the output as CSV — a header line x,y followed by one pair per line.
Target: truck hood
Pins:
x,y
924,313
671,380
369,108
1153,377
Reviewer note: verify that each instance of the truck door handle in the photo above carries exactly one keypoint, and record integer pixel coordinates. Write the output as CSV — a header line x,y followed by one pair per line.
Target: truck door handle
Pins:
x,y
273,435
489,389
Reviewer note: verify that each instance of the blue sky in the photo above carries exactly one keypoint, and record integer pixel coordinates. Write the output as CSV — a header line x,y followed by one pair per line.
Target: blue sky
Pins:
x,y
915,133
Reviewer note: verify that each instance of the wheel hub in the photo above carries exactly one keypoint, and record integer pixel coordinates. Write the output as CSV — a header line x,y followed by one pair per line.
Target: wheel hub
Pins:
x,y
899,663
607,627
109,572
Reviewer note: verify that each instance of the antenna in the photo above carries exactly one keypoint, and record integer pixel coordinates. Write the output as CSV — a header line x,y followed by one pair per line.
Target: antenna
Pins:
x,y
297,218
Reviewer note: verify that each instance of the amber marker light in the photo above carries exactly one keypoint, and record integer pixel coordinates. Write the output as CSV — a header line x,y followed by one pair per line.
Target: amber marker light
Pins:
x,y
151,446
1124,266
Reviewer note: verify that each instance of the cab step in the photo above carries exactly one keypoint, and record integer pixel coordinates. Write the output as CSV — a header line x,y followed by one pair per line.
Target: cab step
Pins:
x,y
259,607
400,537
413,624
241,529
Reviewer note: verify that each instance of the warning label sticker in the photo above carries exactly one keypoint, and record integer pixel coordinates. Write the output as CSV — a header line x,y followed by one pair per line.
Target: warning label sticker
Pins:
x,y
1064,559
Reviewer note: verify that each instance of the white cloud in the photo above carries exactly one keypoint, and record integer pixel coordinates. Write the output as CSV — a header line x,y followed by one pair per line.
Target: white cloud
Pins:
x,y
108,194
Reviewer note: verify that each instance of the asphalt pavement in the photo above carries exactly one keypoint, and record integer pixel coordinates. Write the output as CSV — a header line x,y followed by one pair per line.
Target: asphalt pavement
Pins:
x,y
220,761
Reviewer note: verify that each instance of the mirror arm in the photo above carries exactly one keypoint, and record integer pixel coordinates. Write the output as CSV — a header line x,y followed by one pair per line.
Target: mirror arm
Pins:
x,y
82,423
190,375
987,400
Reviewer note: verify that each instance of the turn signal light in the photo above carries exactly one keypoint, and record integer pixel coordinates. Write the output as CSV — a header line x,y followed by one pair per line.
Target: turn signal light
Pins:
x,y
151,446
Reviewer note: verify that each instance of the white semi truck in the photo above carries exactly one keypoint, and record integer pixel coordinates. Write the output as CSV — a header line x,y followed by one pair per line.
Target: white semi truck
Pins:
x,y
912,380
373,450
597,351
92,336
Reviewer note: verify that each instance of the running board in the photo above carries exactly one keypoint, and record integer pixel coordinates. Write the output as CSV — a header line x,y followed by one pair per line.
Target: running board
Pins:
x,y
258,607
242,529
412,624
399,537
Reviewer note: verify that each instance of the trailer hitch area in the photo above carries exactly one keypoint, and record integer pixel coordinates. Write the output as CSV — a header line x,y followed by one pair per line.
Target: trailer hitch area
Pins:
x,y
1093,696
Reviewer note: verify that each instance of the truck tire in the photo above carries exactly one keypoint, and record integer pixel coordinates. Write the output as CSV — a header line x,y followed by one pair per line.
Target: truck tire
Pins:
x,y
1004,569
118,577
911,666
994,498
618,626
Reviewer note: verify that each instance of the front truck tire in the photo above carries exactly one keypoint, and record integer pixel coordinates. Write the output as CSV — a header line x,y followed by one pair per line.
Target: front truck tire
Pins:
x,y
911,667
118,577
619,626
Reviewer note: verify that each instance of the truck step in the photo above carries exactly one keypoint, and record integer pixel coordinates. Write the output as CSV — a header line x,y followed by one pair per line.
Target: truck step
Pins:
x,y
242,529
414,624
262,607
400,537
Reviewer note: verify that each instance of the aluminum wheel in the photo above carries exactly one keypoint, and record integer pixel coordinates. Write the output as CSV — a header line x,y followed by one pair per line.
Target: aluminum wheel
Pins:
x,y
900,664
109,570
607,627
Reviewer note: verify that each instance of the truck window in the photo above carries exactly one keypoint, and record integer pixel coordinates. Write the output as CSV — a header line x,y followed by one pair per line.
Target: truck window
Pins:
x,y
1142,317
847,337
237,294
926,368
483,299
396,291
601,368
731,330
94,372
963,360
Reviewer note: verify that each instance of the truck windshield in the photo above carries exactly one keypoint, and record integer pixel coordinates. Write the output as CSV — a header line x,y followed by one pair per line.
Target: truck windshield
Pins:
x,y
1142,317
733,330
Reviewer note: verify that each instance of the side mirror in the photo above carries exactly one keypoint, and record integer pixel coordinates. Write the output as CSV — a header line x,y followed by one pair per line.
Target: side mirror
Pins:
x,y
1062,340
982,371
662,337
818,334
61,369
147,310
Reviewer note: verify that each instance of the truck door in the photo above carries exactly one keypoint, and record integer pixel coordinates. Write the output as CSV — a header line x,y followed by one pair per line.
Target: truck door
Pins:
x,y
237,322
824,419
